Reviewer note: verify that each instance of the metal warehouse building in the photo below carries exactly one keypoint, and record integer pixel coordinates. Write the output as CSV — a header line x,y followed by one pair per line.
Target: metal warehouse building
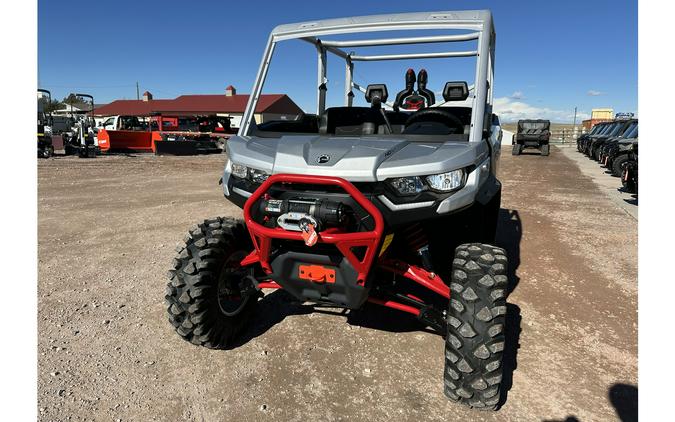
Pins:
x,y
598,115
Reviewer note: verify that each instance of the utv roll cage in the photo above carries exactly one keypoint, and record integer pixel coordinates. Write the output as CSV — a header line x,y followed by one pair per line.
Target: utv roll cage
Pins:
x,y
479,22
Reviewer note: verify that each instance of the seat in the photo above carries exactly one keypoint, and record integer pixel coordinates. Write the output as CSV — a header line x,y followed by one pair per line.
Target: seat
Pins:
x,y
411,99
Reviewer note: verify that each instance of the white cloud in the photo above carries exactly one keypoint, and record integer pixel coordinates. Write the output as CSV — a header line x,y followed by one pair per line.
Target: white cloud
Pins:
x,y
509,110
594,93
517,95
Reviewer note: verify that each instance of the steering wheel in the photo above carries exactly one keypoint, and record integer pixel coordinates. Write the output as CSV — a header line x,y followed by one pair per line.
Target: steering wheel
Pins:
x,y
436,115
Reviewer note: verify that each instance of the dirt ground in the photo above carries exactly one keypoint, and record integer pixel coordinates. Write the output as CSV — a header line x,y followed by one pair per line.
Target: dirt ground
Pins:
x,y
107,232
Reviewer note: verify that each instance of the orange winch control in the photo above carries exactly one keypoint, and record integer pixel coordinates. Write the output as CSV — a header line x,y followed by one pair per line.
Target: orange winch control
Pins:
x,y
316,273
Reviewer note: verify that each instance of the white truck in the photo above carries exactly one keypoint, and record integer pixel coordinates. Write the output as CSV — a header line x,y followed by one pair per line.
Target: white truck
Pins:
x,y
121,123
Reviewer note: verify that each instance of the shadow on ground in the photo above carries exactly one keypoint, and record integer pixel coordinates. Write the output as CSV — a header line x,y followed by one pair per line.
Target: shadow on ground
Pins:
x,y
511,346
279,304
509,235
624,399
532,153
272,309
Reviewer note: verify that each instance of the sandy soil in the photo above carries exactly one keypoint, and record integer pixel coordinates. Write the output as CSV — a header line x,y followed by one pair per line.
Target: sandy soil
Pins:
x,y
107,232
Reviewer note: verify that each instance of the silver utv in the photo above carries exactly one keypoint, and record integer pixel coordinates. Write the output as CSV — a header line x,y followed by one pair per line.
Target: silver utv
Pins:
x,y
379,157
368,197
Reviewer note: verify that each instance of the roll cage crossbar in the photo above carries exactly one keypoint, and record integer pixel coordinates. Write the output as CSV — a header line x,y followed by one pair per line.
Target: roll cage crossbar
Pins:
x,y
479,22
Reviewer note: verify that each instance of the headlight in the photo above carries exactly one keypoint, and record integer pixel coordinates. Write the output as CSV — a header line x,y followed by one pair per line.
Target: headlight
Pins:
x,y
254,175
407,185
257,176
239,171
446,182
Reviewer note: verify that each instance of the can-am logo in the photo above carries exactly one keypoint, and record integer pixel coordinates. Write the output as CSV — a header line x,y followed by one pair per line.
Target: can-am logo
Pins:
x,y
323,159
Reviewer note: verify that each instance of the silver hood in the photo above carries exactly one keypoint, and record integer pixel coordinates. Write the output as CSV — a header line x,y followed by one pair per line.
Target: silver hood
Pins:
x,y
356,159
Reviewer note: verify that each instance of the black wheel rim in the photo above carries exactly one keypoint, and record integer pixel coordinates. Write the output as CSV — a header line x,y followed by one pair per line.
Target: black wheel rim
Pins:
x,y
230,299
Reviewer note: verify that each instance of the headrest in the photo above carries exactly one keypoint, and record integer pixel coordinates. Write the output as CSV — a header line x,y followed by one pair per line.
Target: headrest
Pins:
x,y
456,91
410,78
376,94
422,79
407,91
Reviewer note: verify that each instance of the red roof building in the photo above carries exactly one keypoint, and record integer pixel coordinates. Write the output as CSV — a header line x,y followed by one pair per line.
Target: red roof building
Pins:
x,y
270,106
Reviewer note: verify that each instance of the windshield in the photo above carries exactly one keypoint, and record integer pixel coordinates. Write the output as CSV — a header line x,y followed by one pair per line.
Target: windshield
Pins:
x,y
618,129
631,131
608,129
370,90
597,129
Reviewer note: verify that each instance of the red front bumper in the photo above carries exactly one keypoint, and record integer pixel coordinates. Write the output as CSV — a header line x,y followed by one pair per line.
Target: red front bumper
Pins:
x,y
344,241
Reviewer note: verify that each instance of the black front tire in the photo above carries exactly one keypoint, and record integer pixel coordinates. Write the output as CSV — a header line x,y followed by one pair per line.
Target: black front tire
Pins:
x,y
476,320
517,149
617,165
545,150
209,299
629,185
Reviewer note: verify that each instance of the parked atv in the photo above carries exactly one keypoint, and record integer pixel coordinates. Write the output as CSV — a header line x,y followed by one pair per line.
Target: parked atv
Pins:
x,y
390,203
604,130
81,140
615,151
532,134
582,140
596,143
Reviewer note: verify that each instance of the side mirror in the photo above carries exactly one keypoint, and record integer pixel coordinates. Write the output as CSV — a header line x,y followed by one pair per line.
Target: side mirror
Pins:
x,y
455,91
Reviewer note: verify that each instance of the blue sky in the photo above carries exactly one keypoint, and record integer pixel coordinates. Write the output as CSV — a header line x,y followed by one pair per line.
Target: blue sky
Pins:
x,y
551,56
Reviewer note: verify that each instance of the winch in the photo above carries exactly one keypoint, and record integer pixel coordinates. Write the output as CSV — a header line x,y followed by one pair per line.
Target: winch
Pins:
x,y
294,214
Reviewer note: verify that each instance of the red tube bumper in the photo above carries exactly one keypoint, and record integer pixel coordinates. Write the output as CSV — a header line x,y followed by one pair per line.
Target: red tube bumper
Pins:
x,y
344,241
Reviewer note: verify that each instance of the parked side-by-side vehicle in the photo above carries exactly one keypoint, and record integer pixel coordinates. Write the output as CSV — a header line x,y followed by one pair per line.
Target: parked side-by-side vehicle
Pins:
x,y
532,134
374,198
614,145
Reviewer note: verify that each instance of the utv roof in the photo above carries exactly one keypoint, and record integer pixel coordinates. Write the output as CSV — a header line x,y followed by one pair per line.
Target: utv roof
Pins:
x,y
465,19
478,23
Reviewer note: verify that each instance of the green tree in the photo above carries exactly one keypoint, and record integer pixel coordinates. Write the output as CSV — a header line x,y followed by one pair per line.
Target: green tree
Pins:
x,y
53,106
50,106
73,99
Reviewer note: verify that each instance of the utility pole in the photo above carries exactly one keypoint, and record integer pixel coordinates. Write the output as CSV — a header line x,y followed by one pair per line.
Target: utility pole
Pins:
x,y
574,127
138,95
575,117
